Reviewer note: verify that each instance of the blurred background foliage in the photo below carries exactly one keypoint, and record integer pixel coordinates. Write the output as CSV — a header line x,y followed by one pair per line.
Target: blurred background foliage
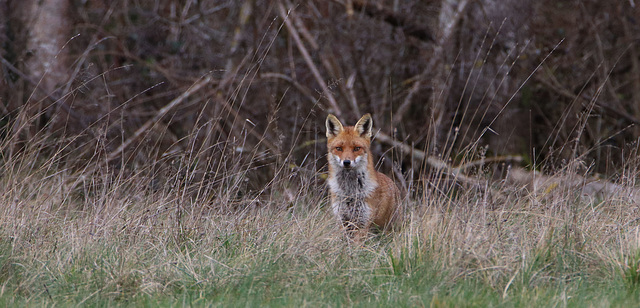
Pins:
x,y
250,82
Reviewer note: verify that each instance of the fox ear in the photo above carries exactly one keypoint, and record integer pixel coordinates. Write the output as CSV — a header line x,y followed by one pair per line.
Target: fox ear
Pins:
x,y
334,127
364,126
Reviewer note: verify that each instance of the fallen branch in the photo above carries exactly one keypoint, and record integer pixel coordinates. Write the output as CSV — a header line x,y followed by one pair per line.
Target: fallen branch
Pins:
x,y
542,185
432,161
539,184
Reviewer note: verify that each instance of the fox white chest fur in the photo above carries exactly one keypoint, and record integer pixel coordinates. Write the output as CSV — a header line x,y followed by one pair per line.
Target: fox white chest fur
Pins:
x,y
350,188
360,196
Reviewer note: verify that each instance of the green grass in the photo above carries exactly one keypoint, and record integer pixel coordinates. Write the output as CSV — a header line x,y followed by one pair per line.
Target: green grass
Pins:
x,y
101,277
261,258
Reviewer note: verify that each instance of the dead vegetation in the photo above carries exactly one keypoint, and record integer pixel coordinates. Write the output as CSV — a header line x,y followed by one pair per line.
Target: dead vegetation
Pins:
x,y
546,81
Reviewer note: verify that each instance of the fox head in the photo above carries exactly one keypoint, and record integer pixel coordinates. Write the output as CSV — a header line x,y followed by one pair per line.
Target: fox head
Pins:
x,y
349,146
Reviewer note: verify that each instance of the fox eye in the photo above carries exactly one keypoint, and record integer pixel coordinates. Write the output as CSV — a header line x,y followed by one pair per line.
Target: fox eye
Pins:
x,y
356,149
339,149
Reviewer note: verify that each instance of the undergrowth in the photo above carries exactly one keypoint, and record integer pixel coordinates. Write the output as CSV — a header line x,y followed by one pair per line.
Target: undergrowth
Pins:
x,y
69,240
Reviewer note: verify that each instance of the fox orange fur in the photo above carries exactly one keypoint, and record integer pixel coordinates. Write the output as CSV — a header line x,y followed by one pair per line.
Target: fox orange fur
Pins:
x,y
360,195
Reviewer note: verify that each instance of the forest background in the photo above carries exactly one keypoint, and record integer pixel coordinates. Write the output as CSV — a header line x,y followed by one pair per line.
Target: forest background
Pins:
x,y
514,77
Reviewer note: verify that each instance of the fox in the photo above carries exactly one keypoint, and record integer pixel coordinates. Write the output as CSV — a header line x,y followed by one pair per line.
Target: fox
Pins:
x,y
361,197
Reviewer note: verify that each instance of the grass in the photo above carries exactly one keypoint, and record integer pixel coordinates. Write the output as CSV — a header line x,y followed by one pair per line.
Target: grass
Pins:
x,y
69,241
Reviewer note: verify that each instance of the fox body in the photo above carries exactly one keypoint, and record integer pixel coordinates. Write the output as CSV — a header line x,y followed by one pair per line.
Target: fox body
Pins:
x,y
360,196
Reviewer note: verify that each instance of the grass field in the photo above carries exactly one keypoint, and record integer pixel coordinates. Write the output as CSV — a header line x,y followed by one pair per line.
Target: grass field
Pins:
x,y
103,238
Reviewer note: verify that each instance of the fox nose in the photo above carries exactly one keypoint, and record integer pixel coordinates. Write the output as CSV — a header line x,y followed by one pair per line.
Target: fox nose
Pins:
x,y
346,163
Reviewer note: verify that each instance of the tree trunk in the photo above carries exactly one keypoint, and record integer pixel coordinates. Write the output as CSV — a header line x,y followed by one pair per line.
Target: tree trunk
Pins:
x,y
45,29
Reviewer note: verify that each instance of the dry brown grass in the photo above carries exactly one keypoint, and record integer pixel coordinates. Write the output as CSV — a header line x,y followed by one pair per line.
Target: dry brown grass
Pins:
x,y
115,236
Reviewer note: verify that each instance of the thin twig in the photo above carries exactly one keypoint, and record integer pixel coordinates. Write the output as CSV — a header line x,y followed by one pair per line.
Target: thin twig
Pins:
x,y
307,58
430,160
566,93
446,33
161,113
331,68
290,80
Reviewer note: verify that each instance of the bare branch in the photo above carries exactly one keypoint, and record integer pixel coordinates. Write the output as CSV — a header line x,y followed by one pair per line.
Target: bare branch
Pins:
x,y
161,113
449,20
307,58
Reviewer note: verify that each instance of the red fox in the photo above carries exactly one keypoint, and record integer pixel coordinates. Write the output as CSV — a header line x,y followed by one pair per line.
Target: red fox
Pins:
x,y
360,195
